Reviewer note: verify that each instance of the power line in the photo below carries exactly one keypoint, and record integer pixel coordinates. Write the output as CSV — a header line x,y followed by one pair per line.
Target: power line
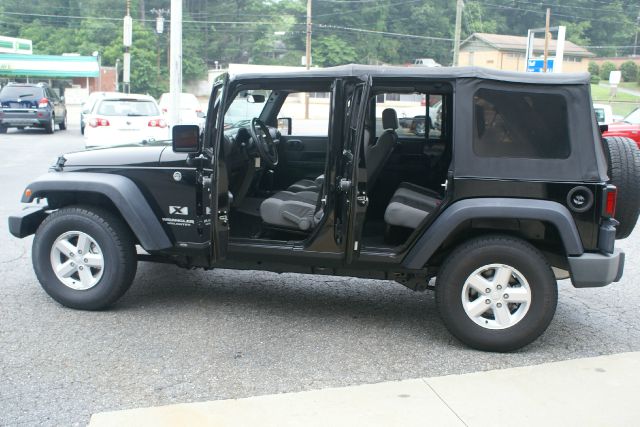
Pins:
x,y
385,33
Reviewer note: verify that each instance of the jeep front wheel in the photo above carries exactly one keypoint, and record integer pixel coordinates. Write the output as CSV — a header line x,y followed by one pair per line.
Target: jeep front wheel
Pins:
x,y
496,293
84,257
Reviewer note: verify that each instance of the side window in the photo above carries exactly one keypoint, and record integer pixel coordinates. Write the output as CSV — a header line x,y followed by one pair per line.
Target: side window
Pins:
x,y
317,124
419,114
520,124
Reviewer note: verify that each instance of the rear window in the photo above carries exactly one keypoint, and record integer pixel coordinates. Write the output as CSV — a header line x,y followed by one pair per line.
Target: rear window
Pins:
x,y
28,93
520,124
127,107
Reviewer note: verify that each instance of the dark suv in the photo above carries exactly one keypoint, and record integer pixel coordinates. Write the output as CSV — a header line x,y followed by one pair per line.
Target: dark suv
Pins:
x,y
31,105
510,189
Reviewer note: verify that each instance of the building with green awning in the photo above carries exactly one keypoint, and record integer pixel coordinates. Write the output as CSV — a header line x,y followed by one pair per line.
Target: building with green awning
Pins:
x,y
48,66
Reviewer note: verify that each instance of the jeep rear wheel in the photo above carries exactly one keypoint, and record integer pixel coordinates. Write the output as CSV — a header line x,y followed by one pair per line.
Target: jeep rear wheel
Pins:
x,y
623,168
84,257
63,123
496,293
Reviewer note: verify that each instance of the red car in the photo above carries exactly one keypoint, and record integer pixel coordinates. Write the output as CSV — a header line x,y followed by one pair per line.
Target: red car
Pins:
x,y
629,127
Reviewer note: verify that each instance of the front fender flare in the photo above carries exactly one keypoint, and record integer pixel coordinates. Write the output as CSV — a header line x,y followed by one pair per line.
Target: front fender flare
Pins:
x,y
481,208
122,191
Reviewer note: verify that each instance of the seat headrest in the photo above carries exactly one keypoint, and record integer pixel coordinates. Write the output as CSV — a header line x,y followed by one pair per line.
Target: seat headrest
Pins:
x,y
390,119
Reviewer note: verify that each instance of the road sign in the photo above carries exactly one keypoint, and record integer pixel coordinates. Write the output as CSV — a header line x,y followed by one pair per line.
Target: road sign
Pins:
x,y
537,65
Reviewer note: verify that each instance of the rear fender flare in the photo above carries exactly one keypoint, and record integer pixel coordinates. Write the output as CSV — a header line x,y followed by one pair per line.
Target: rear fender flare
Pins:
x,y
482,208
123,193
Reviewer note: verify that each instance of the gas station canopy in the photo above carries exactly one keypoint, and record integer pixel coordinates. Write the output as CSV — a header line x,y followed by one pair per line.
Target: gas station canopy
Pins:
x,y
49,66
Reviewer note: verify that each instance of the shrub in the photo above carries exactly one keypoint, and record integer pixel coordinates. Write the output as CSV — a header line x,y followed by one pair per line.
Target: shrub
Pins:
x,y
594,69
605,69
629,70
595,79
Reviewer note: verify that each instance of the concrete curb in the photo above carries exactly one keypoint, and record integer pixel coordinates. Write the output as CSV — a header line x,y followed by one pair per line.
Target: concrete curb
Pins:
x,y
599,391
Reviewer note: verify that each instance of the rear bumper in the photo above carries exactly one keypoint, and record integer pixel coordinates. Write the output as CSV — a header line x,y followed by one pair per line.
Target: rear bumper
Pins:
x,y
26,117
27,221
591,270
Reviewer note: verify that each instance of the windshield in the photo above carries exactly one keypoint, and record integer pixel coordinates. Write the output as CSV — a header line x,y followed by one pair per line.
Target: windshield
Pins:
x,y
633,117
245,106
28,93
127,107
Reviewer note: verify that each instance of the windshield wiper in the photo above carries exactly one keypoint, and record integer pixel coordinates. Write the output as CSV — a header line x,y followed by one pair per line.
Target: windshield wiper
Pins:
x,y
135,115
24,94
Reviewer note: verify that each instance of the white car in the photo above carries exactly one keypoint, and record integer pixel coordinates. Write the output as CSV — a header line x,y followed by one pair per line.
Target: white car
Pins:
x,y
190,109
120,119
604,114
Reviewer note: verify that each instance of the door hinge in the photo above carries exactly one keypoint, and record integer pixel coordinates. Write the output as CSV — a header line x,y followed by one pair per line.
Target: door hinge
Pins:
x,y
362,199
223,217
344,185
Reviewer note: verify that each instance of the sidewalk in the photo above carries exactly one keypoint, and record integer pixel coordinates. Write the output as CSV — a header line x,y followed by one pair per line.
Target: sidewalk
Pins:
x,y
600,391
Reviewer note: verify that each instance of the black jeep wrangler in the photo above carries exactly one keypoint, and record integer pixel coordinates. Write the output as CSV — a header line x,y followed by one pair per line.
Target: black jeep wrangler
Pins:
x,y
507,187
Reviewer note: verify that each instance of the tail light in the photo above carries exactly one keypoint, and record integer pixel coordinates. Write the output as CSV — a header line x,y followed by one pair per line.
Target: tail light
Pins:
x,y
157,123
43,103
610,199
98,121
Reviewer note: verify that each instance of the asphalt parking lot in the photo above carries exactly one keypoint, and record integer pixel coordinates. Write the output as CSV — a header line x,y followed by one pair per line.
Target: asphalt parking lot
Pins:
x,y
184,336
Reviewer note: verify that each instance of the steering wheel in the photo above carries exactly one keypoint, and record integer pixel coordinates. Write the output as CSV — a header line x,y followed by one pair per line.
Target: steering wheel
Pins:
x,y
264,142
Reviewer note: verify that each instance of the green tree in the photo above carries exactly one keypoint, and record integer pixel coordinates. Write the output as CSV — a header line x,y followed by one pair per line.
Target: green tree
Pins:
x,y
331,50
629,70
605,69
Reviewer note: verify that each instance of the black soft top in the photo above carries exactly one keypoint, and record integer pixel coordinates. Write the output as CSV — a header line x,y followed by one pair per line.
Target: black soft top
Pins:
x,y
355,70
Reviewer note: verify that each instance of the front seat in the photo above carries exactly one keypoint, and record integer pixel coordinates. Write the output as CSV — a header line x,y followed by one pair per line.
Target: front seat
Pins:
x,y
375,154
298,211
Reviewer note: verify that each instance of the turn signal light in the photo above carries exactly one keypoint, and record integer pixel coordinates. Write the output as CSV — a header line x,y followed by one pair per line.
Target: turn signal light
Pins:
x,y
610,198
97,122
27,193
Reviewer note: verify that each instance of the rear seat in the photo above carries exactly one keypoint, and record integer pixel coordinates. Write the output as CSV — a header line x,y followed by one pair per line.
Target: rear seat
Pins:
x,y
410,205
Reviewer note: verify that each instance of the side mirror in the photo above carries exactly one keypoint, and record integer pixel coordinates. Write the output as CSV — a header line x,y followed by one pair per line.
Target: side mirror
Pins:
x,y
284,125
255,99
603,128
185,138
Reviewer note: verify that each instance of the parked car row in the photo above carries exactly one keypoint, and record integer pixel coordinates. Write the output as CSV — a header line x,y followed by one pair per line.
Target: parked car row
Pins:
x,y
106,118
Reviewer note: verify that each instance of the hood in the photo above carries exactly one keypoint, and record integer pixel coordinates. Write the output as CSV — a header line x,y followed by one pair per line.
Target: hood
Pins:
x,y
122,155
623,126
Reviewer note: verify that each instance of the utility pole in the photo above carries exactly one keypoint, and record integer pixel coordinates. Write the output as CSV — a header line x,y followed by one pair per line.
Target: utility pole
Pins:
x,y
175,66
308,57
458,29
546,40
635,43
126,41
159,30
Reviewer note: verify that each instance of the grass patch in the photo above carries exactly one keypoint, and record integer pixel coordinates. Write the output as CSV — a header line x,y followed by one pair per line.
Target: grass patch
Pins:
x,y
622,104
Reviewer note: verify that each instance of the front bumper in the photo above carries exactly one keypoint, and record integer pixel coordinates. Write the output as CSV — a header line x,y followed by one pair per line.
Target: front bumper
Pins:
x,y
27,221
591,270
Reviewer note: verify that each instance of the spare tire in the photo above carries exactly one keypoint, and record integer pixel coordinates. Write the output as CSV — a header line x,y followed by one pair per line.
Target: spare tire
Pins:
x,y
623,168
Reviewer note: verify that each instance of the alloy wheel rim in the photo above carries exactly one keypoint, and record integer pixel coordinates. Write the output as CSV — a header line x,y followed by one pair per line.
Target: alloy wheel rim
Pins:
x,y
496,296
77,260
